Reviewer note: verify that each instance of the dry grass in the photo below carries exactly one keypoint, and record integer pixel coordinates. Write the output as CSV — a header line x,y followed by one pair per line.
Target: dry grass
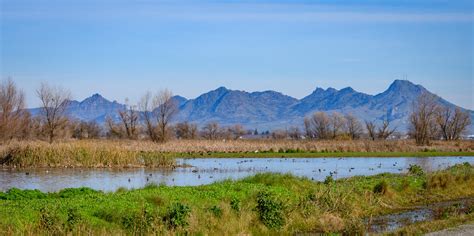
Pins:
x,y
184,146
79,154
127,153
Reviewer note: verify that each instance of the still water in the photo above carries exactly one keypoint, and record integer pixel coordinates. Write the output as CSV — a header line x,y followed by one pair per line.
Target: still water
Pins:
x,y
209,170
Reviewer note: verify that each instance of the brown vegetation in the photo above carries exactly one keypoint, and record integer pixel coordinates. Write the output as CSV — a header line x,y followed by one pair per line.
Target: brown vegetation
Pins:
x,y
54,102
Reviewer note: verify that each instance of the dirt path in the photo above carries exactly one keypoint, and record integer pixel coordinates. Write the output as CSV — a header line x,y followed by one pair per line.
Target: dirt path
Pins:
x,y
463,230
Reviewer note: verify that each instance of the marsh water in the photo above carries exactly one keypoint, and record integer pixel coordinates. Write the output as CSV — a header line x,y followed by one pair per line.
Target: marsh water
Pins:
x,y
208,170
436,211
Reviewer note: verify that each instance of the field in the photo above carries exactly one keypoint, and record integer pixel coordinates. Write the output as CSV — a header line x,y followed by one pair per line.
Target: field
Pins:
x,y
262,204
123,154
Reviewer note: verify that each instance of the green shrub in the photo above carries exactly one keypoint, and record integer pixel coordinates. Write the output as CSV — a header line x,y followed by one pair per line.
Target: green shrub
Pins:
x,y
72,192
177,215
17,194
329,179
381,188
139,222
270,210
50,220
416,170
235,204
73,218
216,210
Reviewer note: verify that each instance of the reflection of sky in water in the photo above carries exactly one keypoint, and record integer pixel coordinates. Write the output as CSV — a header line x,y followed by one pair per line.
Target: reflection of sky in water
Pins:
x,y
208,170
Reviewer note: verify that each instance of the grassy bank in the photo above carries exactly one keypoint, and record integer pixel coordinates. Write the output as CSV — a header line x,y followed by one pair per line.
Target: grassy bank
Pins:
x,y
262,204
120,154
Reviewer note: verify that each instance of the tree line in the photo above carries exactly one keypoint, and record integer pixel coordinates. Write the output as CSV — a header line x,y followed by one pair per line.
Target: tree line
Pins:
x,y
152,118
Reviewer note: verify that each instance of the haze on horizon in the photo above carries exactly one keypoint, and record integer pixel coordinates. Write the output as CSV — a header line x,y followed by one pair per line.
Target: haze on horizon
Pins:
x,y
122,48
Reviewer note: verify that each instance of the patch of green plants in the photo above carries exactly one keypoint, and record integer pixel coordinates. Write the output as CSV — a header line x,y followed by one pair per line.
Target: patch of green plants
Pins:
x,y
270,210
416,170
329,179
17,194
177,215
235,204
216,211
381,188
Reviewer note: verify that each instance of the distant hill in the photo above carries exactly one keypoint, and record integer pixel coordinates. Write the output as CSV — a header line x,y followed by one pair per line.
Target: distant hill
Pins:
x,y
270,110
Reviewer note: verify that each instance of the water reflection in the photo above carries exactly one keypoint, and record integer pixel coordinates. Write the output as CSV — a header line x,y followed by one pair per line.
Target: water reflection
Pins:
x,y
208,170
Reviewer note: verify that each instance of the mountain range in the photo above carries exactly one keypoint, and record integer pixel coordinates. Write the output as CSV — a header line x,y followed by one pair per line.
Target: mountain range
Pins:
x,y
270,110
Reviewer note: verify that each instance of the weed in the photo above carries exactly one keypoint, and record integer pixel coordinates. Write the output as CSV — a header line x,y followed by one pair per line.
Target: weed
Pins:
x,y
439,180
17,194
270,210
235,204
74,192
216,211
139,222
73,218
328,180
50,220
381,188
177,215
416,170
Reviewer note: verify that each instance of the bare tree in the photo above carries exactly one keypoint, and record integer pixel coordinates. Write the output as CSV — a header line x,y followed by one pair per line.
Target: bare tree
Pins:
x,y
186,130
86,130
371,129
236,131
320,125
165,109
158,111
353,126
114,130
145,105
294,133
55,101
13,117
452,122
279,134
337,124
384,131
308,128
129,118
423,125
211,130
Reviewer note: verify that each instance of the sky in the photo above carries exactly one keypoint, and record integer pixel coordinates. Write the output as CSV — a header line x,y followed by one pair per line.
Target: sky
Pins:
x,y
123,48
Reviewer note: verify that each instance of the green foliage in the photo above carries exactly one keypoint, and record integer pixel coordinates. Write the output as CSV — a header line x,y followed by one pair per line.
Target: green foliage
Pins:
x,y
17,194
73,218
50,220
329,179
416,170
139,222
270,210
73,192
216,210
177,215
235,204
381,188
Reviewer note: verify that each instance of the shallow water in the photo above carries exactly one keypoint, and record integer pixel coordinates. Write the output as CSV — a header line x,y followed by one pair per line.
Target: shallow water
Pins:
x,y
392,222
209,170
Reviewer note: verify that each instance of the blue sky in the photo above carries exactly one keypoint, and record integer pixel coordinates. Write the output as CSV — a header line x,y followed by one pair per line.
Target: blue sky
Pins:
x,y
122,48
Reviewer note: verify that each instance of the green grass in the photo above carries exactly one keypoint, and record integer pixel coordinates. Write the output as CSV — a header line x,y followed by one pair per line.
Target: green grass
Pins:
x,y
261,204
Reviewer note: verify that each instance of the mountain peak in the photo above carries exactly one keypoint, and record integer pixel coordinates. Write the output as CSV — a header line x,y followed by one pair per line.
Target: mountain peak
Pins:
x,y
401,84
95,98
347,90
